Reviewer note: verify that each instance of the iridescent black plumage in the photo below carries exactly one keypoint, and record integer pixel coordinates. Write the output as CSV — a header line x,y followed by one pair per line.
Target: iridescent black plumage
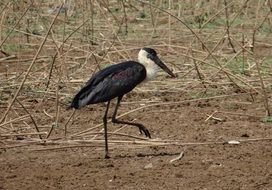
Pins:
x,y
117,80
111,82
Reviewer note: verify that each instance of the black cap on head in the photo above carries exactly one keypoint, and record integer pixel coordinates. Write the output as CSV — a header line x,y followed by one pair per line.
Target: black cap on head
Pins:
x,y
152,54
150,51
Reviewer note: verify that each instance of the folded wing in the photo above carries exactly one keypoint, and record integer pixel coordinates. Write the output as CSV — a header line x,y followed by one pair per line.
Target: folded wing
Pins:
x,y
111,82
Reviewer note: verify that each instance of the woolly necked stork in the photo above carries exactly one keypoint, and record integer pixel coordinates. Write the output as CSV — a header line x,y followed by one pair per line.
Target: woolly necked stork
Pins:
x,y
117,80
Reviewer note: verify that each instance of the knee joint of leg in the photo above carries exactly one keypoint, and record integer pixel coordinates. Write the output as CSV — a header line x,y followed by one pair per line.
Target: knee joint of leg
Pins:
x,y
114,120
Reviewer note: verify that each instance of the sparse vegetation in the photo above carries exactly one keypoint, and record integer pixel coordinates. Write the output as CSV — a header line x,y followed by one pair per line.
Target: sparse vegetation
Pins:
x,y
267,119
220,50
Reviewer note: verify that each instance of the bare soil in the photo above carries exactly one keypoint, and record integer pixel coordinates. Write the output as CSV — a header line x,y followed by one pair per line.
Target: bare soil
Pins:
x,y
208,132
214,166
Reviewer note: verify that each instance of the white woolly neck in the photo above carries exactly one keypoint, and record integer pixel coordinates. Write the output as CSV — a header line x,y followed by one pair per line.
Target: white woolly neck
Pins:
x,y
151,67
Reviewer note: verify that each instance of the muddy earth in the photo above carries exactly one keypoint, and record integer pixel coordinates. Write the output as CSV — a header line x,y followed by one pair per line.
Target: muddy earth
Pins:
x,y
209,126
224,145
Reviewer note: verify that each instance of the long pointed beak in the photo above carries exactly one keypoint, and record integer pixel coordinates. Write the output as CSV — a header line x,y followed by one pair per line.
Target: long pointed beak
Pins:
x,y
163,66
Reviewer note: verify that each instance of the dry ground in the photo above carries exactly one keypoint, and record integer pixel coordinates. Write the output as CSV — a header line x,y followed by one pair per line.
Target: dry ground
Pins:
x,y
214,166
215,117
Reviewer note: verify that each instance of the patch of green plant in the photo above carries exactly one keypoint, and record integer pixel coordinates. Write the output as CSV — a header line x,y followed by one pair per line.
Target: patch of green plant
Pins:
x,y
231,106
15,1
268,64
237,66
210,25
193,95
76,15
12,47
220,21
63,30
33,89
238,22
10,20
67,101
269,88
142,14
267,119
268,61
202,94
2,99
202,18
266,67
209,93
103,66
265,29
114,9
10,33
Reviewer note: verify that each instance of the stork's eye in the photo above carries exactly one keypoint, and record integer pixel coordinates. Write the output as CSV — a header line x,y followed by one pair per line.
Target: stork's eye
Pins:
x,y
150,56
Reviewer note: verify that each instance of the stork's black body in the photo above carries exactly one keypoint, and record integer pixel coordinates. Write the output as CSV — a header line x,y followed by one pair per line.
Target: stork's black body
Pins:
x,y
111,82
117,80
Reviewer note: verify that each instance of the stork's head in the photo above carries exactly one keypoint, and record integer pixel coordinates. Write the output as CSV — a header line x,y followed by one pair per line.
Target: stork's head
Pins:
x,y
148,57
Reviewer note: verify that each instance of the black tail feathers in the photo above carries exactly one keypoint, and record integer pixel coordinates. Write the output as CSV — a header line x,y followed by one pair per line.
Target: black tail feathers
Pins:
x,y
74,104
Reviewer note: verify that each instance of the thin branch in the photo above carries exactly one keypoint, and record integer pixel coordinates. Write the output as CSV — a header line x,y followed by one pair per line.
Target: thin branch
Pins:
x,y
204,45
30,67
33,121
10,32
158,104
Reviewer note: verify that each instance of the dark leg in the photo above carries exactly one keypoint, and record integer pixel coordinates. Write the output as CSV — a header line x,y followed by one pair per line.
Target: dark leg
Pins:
x,y
140,126
105,131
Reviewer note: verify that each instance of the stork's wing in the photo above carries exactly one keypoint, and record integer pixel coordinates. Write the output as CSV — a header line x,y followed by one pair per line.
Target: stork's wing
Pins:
x,y
111,82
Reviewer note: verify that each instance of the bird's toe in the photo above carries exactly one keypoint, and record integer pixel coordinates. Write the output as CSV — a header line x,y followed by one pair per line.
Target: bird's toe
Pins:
x,y
107,156
145,131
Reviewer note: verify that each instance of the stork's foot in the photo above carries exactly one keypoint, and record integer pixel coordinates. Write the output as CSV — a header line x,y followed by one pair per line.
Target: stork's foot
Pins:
x,y
144,130
107,156
140,126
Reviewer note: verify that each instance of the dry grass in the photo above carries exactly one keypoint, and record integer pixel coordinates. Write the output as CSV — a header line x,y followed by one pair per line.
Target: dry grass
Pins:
x,y
49,50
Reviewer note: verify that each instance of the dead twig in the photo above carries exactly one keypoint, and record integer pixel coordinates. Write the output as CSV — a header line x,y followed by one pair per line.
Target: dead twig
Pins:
x,y
18,21
228,26
156,104
115,133
31,117
65,125
15,120
29,68
23,134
